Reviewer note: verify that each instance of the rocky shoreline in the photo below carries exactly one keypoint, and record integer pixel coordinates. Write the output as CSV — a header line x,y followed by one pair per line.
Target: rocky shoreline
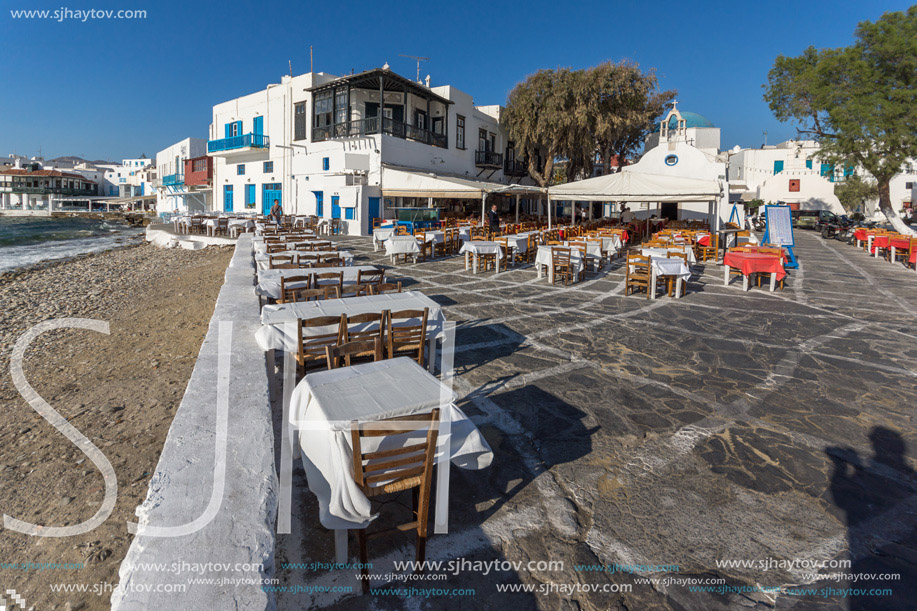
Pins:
x,y
120,390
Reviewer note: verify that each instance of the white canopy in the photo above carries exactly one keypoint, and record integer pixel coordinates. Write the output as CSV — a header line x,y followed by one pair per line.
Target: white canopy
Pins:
x,y
628,186
402,182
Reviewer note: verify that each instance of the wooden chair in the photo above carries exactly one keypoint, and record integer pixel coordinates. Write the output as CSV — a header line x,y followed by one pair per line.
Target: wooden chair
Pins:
x,y
638,274
222,227
703,253
331,261
310,346
531,247
275,260
355,290
289,285
561,265
308,259
329,279
366,277
385,287
372,327
407,339
352,353
274,247
396,469
197,225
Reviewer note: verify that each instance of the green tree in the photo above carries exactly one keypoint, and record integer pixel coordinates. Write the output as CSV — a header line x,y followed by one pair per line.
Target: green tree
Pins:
x,y
855,192
860,101
571,115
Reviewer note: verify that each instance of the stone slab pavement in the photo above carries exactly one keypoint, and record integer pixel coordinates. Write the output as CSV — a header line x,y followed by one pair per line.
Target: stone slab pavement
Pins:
x,y
728,441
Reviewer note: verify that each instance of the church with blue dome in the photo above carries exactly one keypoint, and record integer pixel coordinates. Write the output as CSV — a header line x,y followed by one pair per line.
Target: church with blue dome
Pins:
x,y
688,127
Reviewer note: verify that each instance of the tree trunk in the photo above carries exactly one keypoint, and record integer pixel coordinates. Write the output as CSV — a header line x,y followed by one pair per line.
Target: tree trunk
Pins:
x,y
885,205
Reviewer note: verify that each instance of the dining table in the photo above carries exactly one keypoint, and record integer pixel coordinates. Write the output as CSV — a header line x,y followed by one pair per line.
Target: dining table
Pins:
x,y
323,408
752,263
263,260
269,279
473,249
544,258
402,245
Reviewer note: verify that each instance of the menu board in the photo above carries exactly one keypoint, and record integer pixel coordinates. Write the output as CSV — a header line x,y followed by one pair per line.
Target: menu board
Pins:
x,y
779,226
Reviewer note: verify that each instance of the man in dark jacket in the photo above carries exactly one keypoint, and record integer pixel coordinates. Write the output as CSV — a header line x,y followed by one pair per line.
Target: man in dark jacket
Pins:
x,y
276,212
493,218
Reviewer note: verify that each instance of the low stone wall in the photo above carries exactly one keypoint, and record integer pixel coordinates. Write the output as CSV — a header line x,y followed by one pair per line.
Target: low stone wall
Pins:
x,y
237,542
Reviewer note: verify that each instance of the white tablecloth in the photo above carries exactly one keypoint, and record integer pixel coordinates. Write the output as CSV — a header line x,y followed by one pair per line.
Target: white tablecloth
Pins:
x,y
437,237
482,248
325,403
611,244
381,234
260,246
401,245
519,243
273,332
544,257
262,260
269,279
593,249
664,252
670,267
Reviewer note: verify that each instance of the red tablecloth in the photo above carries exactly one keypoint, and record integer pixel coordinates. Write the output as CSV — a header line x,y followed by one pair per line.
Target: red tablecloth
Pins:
x,y
900,243
754,249
913,256
751,262
704,240
860,234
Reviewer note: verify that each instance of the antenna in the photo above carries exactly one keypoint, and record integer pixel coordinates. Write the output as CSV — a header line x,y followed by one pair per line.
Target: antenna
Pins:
x,y
290,61
418,59
310,59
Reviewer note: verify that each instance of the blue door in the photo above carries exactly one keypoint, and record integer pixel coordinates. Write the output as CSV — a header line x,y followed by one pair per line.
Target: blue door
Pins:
x,y
250,196
335,207
227,198
373,210
258,125
319,203
269,193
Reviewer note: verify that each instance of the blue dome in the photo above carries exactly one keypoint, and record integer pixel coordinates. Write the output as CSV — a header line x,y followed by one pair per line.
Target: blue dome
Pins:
x,y
692,119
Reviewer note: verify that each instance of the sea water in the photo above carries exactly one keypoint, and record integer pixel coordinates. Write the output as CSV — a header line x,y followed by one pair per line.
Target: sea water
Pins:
x,y
27,240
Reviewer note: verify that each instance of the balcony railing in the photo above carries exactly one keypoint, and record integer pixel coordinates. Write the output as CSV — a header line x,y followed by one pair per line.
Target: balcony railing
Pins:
x,y
370,126
515,167
173,180
488,159
46,190
255,141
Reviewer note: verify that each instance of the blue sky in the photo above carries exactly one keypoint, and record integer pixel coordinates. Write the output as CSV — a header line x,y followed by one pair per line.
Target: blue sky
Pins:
x,y
117,88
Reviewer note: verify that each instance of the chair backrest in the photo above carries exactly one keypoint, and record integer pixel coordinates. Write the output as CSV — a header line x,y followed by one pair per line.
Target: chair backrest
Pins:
x,y
385,287
275,260
332,260
310,345
402,467
374,276
355,290
345,351
637,264
560,255
272,247
329,279
302,294
405,336
290,284
372,324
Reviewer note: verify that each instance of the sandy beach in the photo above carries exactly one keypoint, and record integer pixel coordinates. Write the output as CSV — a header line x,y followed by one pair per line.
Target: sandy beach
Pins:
x,y
120,390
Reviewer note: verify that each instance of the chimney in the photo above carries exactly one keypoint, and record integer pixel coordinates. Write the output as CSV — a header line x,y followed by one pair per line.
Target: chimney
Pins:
x,y
427,81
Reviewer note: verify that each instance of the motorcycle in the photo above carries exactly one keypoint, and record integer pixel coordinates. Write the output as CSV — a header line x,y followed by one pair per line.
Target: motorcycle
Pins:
x,y
837,227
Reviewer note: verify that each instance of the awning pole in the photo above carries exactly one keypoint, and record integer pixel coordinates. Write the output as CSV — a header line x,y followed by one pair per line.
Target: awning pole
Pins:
x,y
549,210
483,208
517,208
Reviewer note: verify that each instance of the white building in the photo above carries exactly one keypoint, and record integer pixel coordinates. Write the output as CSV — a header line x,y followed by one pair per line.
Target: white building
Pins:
x,y
172,192
673,150
28,185
316,144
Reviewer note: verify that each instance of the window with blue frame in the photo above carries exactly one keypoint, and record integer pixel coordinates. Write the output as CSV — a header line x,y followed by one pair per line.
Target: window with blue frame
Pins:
x,y
250,195
240,169
350,214
809,163
778,166
326,163
268,167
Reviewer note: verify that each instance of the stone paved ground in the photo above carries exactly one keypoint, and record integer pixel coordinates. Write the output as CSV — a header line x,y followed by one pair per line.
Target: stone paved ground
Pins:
x,y
724,426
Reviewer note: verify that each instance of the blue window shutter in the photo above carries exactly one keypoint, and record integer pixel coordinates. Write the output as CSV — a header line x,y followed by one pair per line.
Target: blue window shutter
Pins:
x,y
778,166
809,163
227,130
326,163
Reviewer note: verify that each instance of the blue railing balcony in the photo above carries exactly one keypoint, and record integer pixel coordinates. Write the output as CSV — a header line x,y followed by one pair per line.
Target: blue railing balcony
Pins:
x,y
245,141
173,180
